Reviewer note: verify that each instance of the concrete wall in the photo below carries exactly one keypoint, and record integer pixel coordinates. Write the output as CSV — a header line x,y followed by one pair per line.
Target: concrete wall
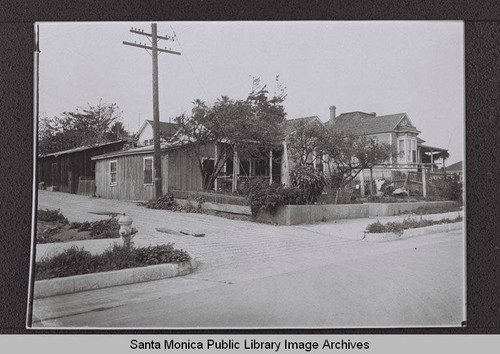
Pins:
x,y
306,214
226,208
389,209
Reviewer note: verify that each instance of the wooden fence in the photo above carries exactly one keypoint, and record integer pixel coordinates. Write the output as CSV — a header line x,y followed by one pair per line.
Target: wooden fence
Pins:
x,y
86,186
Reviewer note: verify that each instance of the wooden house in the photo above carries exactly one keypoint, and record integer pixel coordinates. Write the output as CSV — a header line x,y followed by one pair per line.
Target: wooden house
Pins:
x,y
145,135
129,175
395,129
63,170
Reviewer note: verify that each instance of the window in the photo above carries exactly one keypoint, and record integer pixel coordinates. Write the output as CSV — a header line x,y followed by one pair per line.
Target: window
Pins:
x,y
112,172
401,149
407,149
148,170
413,151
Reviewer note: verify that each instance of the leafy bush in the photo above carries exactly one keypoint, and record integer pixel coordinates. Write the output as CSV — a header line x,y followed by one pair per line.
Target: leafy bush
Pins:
x,y
74,260
448,188
309,180
262,195
409,223
51,215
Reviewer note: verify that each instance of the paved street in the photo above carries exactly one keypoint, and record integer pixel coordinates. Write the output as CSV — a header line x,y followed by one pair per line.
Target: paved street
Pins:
x,y
255,275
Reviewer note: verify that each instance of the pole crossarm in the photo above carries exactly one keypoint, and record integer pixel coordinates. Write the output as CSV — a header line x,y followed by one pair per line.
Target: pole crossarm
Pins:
x,y
137,31
138,45
157,164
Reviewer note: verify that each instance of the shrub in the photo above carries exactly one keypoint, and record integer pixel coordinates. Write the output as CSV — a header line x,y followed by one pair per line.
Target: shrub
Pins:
x,y
262,195
51,215
448,188
309,180
74,260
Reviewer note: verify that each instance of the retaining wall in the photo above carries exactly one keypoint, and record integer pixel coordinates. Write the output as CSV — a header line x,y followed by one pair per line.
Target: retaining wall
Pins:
x,y
226,208
306,214
389,209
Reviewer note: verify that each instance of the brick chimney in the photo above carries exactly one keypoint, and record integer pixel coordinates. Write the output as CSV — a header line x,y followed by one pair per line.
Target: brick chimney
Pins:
x,y
332,114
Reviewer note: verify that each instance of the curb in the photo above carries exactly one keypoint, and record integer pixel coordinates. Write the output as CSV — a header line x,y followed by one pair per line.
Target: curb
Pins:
x,y
93,281
391,236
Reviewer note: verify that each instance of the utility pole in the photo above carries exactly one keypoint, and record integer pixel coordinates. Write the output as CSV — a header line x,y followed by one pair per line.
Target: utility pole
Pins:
x,y
156,108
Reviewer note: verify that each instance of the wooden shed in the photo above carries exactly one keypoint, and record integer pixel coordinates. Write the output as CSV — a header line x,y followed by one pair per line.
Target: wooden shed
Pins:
x,y
64,169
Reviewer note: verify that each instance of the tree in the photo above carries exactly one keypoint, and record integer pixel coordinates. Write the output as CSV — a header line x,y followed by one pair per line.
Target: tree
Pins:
x,y
116,132
305,143
369,153
251,127
347,155
88,126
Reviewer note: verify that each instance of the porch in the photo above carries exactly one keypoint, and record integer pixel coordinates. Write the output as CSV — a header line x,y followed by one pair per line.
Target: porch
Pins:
x,y
238,171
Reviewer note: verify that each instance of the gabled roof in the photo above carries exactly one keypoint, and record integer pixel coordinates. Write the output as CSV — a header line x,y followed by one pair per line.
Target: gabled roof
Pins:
x,y
360,123
166,129
457,166
83,148
292,124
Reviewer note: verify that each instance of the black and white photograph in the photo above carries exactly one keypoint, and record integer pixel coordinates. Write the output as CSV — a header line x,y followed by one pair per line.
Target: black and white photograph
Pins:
x,y
248,175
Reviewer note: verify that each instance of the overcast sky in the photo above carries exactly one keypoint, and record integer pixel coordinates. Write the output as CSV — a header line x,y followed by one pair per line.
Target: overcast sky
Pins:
x,y
382,67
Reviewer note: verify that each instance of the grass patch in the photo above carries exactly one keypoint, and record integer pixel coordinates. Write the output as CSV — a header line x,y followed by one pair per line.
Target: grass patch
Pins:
x,y
76,261
409,223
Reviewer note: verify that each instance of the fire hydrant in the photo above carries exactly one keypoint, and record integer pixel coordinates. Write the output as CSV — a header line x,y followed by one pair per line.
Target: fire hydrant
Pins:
x,y
126,230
